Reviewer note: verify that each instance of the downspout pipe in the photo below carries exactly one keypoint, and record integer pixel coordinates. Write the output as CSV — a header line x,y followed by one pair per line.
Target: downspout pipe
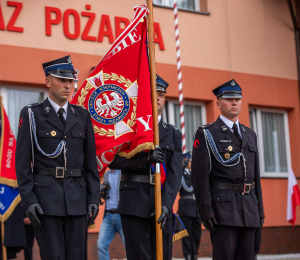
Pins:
x,y
297,34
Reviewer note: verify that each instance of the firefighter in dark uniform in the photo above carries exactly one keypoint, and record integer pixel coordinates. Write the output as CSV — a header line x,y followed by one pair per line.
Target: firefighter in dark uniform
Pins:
x,y
188,212
137,200
56,167
226,178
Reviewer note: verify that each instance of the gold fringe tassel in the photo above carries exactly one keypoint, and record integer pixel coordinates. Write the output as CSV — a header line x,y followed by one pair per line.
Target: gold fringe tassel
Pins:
x,y
91,226
138,149
180,235
9,182
6,215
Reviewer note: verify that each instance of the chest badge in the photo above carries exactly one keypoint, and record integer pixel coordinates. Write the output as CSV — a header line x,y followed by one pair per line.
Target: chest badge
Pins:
x,y
53,133
227,156
230,148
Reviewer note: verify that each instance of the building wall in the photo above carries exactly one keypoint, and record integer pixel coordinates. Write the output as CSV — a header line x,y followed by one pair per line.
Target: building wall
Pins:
x,y
250,41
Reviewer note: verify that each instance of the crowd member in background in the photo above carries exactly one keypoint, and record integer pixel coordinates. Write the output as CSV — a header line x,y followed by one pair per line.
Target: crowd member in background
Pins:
x,y
111,223
188,212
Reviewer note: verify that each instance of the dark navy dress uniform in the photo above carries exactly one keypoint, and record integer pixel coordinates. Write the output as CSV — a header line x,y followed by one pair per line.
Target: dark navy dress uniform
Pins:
x,y
63,199
188,212
137,199
220,189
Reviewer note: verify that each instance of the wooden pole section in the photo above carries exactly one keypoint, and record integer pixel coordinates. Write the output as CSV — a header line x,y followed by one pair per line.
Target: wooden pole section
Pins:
x,y
159,242
4,254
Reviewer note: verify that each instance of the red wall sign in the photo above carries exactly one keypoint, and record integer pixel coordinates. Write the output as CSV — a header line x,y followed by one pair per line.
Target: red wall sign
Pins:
x,y
56,17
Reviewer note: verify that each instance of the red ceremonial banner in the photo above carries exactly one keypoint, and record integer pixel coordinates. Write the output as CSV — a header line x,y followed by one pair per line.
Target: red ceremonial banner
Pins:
x,y
117,95
7,152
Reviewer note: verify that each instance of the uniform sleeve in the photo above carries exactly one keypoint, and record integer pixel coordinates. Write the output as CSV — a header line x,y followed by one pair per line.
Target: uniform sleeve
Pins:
x,y
200,175
90,165
137,162
174,172
23,161
258,184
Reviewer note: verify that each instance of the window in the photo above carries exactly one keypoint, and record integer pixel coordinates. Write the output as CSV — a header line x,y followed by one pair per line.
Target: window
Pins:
x,y
15,98
184,4
273,141
194,116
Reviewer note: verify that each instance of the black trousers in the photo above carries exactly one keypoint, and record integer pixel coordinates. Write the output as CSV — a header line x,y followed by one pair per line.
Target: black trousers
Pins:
x,y
140,238
191,243
62,238
233,243
29,242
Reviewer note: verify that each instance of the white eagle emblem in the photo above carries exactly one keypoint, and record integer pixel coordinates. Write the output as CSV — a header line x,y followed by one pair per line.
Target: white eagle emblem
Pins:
x,y
111,107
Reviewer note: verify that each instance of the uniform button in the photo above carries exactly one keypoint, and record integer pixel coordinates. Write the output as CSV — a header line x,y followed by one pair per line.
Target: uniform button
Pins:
x,y
125,185
47,133
65,137
35,183
167,146
242,150
79,133
218,198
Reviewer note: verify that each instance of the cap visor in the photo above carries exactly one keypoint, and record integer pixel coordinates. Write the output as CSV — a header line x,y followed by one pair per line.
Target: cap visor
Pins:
x,y
159,88
231,96
63,75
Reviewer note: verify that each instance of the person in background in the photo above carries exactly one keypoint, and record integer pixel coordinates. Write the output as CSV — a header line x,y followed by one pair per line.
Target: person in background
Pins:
x,y
188,212
111,223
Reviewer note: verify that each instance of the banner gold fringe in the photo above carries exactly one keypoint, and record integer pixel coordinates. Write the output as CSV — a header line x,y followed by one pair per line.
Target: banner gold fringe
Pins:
x,y
16,201
138,149
91,226
9,182
180,235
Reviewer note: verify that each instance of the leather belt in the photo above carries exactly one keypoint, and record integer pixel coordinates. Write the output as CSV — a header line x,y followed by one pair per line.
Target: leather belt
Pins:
x,y
188,197
138,178
113,211
59,172
245,188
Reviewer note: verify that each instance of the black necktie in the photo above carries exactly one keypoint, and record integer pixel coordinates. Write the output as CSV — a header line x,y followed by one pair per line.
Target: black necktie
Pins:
x,y
236,133
61,115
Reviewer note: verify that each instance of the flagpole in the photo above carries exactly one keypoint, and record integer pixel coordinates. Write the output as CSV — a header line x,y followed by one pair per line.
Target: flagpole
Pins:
x,y
159,243
4,254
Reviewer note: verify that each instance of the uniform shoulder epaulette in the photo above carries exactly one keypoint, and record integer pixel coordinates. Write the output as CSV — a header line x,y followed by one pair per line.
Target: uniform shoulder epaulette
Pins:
x,y
79,106
206,126
34,105
243,126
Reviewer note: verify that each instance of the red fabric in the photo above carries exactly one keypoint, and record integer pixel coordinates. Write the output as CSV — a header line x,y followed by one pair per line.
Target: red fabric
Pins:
x,y
295,202
122,122
7,150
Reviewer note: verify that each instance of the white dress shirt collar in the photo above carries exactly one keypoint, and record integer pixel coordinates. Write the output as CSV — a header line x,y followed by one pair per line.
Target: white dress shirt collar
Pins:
x,y
57,107
159,118
229,123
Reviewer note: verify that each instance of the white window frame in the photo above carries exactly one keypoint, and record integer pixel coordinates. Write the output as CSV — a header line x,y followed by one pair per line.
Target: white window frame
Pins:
x,y
168,3
171,115
258,128
4,88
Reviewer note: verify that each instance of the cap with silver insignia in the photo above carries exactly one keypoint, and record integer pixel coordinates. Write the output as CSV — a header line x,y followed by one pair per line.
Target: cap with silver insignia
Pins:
x,y
60,68
161,84
230,89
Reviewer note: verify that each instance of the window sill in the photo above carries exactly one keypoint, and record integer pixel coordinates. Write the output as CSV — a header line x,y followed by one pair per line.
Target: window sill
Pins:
x,y
274,175
181,9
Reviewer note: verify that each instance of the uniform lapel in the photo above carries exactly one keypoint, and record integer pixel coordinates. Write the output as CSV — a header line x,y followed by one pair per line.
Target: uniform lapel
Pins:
x,y
52,117
71,118
163,130
244,135
225,129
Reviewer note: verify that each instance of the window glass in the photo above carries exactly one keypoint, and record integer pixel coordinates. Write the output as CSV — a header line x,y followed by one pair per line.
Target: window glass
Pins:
x,y
192,119
275,156
184,4
16,100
